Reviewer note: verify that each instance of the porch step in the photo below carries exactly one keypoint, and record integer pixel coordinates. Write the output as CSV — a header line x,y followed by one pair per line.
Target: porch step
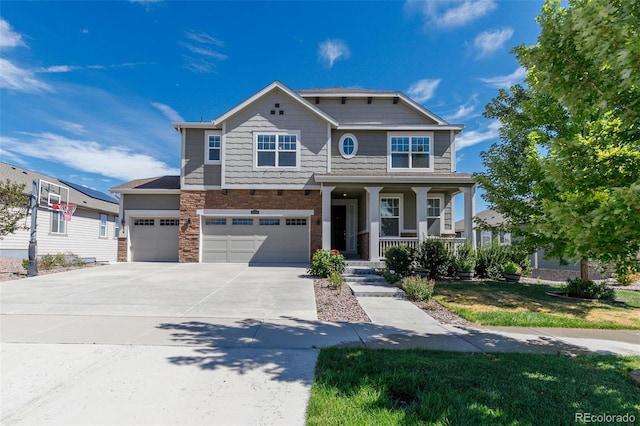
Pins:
x,y
364,283
365,263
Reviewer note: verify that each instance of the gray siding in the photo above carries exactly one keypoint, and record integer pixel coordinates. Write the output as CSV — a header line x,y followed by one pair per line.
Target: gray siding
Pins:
x,y
372,152
239,142
380,111
195,171
151,202
442,152
448,218
371,155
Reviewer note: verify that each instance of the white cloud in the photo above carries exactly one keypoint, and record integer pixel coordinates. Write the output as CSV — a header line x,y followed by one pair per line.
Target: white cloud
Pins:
x,y
8,37
15,78
474,137
490,41
203,51
466,109
332,50
75,128
118,162
423,90
57,69
506,81
451,13
168,112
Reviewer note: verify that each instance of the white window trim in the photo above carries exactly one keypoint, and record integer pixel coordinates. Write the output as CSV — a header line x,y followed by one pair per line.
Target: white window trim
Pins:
x,y
429,135
103,227
400,212
276,133
341,146
208,133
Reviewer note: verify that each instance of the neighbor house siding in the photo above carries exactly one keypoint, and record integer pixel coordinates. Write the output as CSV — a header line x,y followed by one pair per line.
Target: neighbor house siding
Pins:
x,y
151,201
82,237
239,157
379,111
195,171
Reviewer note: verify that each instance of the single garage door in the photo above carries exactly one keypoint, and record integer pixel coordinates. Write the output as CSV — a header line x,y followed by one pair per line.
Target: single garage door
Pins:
x,y
155,239
252,239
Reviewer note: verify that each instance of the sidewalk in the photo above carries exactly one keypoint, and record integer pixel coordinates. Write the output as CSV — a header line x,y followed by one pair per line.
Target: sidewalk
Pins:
x,y
422,331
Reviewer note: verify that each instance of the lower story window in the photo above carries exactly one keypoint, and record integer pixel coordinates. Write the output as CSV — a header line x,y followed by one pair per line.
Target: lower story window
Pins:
x,y
296,222
269,222
58,225
144,222
390,217
169,222
103,226
220,221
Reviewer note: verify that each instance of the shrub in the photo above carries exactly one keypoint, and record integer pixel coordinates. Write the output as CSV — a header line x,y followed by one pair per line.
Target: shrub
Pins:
x,y
49,261
465,259
25,264
417,288
588,289
324,262
389,276
399,259
511,268
434,257
335,280
627,278
490,261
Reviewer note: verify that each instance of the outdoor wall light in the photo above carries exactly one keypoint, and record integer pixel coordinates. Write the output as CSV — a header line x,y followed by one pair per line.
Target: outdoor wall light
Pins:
x,y
188,221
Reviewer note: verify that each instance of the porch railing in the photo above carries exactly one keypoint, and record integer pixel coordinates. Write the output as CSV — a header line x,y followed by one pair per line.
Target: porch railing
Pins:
x,y
452,244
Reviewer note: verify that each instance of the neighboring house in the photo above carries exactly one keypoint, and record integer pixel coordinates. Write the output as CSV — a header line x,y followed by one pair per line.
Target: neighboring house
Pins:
x,y
92,232
286,172
487,237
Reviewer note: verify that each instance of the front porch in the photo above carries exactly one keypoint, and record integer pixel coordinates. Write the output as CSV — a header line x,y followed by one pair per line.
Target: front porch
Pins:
x,y
364,221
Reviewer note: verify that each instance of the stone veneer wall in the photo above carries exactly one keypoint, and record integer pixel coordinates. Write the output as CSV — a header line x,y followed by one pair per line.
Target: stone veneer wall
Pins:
x,y
122,249
241,199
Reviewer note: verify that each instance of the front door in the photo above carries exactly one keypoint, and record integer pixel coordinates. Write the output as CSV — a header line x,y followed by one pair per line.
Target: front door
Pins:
x,y
344,226
339,228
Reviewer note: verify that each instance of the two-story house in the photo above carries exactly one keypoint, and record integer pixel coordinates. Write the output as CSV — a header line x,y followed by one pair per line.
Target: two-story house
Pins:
x,y
287,172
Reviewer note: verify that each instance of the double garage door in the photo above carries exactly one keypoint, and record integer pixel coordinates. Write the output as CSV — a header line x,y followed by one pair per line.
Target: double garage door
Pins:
x,y
255,239
155,239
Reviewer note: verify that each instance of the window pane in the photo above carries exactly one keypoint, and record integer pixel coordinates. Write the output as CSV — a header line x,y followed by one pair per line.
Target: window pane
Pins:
x,y
390,207
399,144
433,207
389,227
266,158
420,161
420,144
214,154
287,159
400,161
348,146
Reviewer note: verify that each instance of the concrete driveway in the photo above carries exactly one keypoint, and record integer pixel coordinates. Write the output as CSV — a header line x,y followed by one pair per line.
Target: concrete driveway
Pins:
x,y
145,343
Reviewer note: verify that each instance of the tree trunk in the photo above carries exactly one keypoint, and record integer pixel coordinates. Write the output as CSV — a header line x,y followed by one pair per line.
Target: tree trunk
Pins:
x,y
584,269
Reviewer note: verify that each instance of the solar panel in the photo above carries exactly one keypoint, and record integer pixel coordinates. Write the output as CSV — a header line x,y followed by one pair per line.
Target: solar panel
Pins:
x,y
91,192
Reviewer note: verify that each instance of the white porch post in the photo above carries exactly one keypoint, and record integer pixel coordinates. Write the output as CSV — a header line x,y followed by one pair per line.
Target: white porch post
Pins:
x,y
469,213
374,222
421,210
326,217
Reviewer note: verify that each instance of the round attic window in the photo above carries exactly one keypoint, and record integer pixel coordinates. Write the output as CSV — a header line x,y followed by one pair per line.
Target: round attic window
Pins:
x,y
348,145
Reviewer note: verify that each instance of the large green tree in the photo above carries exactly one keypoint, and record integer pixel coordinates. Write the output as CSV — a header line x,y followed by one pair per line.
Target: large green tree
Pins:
x,y
13,207
567,173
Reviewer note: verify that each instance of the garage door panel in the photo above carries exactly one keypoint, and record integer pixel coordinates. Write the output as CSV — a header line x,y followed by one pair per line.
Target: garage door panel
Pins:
x,y
154,240
266,240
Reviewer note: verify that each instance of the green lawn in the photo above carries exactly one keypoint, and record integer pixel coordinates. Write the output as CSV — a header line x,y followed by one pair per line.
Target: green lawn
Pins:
x,y
528,305
355,386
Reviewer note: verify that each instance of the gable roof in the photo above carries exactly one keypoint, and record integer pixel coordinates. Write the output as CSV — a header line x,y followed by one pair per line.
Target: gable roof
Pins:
x,y
292,94
158,185
85,198
365,93
491,217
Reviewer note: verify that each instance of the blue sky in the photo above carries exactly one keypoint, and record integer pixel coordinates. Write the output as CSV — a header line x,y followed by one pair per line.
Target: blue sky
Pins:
x,y
88,90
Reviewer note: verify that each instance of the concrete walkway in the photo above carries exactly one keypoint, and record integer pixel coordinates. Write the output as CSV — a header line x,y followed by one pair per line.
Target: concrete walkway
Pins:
x,y
125,345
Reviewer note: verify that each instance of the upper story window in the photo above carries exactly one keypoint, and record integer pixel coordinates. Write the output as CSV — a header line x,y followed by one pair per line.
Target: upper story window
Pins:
x,y
212,147
410,152
277,150
348,145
